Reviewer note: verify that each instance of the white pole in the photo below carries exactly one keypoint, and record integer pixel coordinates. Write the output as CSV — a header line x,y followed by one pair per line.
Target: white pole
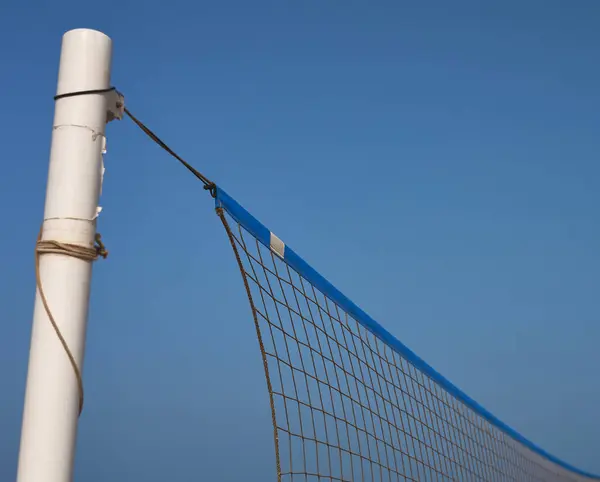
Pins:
x,y
74,181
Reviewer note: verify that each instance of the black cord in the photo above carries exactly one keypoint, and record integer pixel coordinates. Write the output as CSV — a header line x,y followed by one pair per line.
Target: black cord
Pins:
x,y
208,184
84,92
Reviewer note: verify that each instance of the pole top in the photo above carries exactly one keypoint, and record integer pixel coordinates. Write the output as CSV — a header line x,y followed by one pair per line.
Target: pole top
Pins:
x,y
84,61
84,31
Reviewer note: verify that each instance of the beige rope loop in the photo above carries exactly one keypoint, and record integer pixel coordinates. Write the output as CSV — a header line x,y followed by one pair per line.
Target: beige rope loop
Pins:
x,y
84,253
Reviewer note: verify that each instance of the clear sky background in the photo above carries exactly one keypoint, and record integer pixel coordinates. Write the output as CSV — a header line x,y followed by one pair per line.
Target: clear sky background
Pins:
x,y
437,161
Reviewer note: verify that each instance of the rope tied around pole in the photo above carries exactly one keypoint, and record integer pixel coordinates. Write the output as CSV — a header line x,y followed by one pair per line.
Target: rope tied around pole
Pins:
x,y
83,253
83,92
91,254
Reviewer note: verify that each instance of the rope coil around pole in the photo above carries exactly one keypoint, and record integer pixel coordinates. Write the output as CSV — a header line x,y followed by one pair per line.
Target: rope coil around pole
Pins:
x,y
91,254
83,253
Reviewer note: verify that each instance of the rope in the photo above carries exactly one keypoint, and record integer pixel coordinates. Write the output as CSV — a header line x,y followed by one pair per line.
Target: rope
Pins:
x,y
208,184
93,253
230,235
76,251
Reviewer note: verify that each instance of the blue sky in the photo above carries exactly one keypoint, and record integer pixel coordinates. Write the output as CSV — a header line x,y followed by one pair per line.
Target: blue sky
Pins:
x,y
436,161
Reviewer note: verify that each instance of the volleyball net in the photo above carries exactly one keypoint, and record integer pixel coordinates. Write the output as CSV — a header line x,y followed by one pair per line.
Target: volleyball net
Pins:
x,y
349,401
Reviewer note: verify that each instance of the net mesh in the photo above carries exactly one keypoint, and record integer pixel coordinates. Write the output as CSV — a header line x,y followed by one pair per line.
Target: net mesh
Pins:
x,y
348,407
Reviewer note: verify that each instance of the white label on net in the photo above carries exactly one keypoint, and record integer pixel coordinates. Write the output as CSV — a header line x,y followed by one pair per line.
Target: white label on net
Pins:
x,y
277,246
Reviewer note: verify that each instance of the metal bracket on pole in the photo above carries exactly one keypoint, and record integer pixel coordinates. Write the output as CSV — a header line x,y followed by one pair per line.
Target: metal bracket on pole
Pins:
x,y
115,106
